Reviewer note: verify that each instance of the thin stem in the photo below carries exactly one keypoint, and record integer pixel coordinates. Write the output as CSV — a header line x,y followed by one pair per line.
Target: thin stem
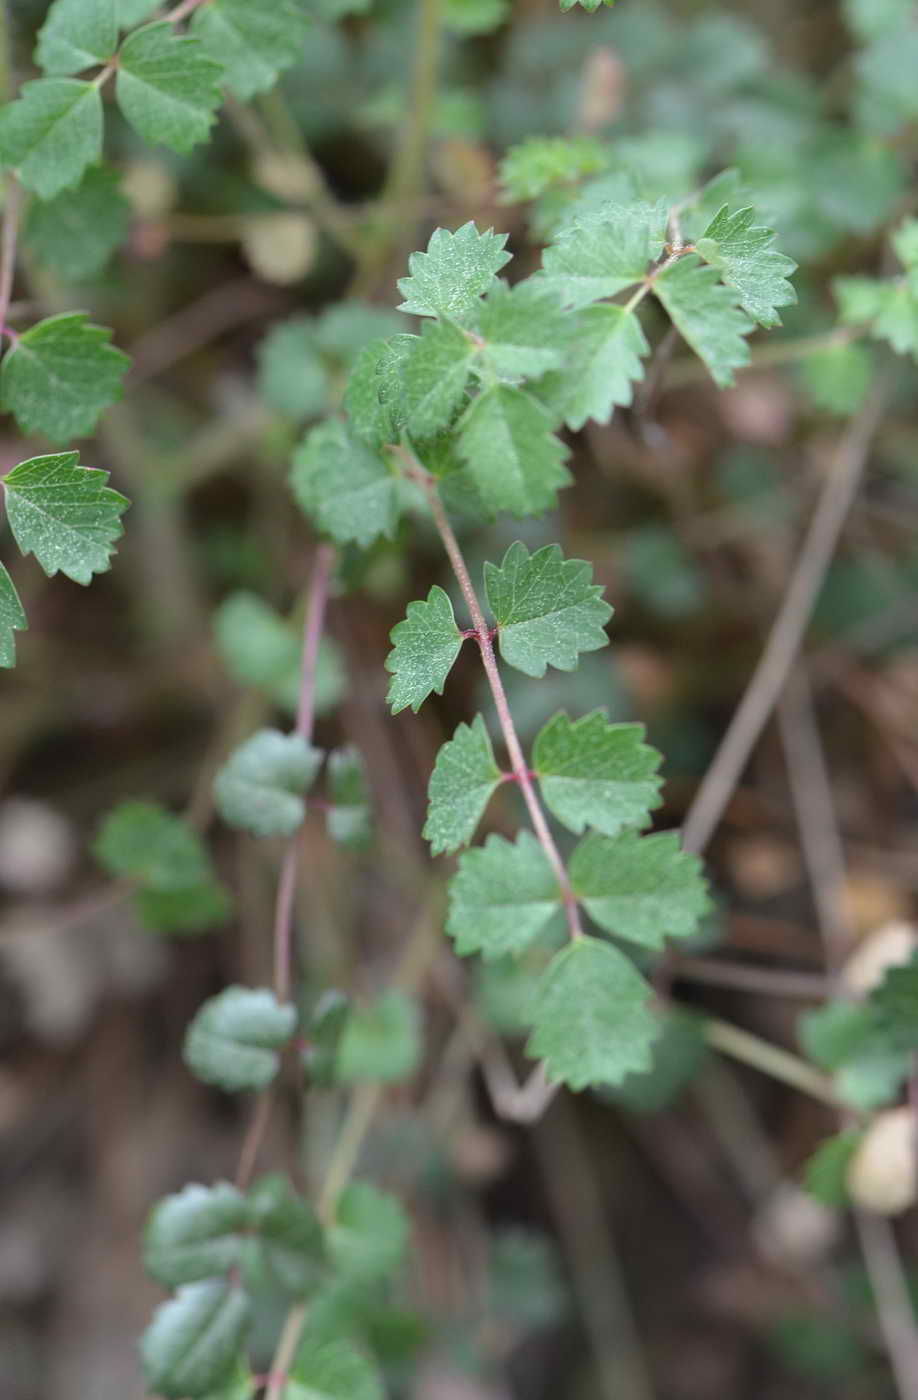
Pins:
x,y
8,254
322,570
184,10
286,1351
770,1059
891,1296
715,972
518,762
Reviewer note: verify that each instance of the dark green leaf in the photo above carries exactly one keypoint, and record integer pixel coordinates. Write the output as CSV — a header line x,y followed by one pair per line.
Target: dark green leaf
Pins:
x,y
168,87
424,647
75,234
643,888
142,841
602,361
51,133
345,487
456,270
333,1371
464,777
507,442
12,619
503,896
285,1251
64,514
254,44
593,773
602,253
77,34
706,315
743,255
547,608
825,1173
434,377
60,375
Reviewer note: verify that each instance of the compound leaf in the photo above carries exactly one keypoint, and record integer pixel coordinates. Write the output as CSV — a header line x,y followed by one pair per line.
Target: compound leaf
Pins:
x,y
260,789
381,1043
168,87
254,44
743,255
603,360
77,34
333,1370
368,1237
12,619
64,514
348,815
344,486
642,888
455,271
502,897
424,647
706,315
434,377
592,1023
593,773
195,1234
521,327
602,253
60,375
51,133
547,608
464,777
192,1346
76,233
507,442
286,1250
234,1038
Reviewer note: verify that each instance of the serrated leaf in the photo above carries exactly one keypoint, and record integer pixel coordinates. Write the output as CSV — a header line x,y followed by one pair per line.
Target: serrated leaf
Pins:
x,y
332,1371
895,1004
455,271
424,647
504,894
604,348
368,1236
593,773
592,1022
642,888
261,648
507,443
196,1234
234,1038
434,377
464,777
286,1250
77,34
254,44
143,841
192,1346
678,1053
889,308
291,375
349,815
12,619
60,375
373,397
604,252
345,329
261,787
542,162
323,1036
547,608
743,255
76,233
522,328
706,315
51,133
825,1173
381,1043
168,87
344,486
64,514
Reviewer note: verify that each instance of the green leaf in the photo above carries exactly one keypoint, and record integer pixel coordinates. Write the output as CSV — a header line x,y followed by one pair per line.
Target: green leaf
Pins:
x,y
825,1174
291,375
168,88
193,1344
259,647
837,378
323,1036
373,397
344,486
837,1032
51,133
254,44
64,514
424,647
706,315
743,255
678,1054
75,234
895,1003
889,309
60,375
77,34
592,1021
602,253
196,909
521,327
260,789
547,608
368,1237
12,619
642,888
502,897
517,463
464,777
131,12
593,773
848,1039
381,1043
196,1234
541,163
456,270
603,360
286,1250
332,1371
349,815
142,841
434,377
234,1038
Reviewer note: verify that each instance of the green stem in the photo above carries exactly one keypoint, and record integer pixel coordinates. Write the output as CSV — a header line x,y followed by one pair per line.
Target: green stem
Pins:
x,y
770,1059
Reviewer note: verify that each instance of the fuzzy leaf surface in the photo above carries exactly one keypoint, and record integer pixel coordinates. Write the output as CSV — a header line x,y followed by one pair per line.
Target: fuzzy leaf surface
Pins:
x,y
547,608
706,315
746,260
77,34
333,1370
517,462
60,375
76,233
253,43
234,1038
502,897
51,133
260,789
193,1344
593,773
453,273
604,355
195,1234
64,514
12,619
344,486
464,777
642,888
434,377
602,253
424,647
168,87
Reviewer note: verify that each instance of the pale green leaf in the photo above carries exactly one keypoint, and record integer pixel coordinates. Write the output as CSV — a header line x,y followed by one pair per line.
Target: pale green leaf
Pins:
x,y
706,315
743,255
168,87
837,378
75,234
502,897
259,647
77,34
455,271
333,1370
368,1236
285,1251
602,253
60,375
348,816
143,841
344,486
291,375
434,377
424,647
542,163
507,443
261,787
12,619
193,1344
64,514
547,608
464,777
131,12
196,1234
678,1054
373,397
603,351
888,308
381,1043
825,1173
593,773
51,133
642,888
234,1038
522,328
323,1036
593,1023
253,43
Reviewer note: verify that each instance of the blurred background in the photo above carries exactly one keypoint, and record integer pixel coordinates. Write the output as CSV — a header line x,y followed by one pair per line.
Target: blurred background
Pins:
x,y
654,1244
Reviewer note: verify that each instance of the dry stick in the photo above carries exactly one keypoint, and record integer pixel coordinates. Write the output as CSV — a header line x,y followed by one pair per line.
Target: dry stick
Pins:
x,y
786,636
808,986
